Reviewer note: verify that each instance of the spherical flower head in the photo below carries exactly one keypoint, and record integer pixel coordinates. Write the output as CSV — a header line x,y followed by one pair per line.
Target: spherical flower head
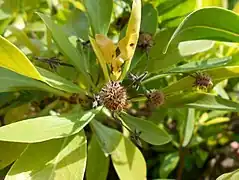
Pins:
x,y
145,41
155,98
113,96
203,81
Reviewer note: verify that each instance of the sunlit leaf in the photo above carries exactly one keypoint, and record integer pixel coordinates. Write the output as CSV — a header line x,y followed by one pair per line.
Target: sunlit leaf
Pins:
x,y
127,45
204,24
128,161
205,3
46,127
229,176
55,159
189,127
13,59
188,48
172,12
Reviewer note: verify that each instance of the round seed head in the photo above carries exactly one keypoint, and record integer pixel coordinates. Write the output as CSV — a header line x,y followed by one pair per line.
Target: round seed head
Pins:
x,y
155,99
203,81
113,96
145,41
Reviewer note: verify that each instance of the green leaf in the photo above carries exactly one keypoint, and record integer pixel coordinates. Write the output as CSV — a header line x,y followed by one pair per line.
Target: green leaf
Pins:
x,y
108,138
128,161
189,48
180,99
9,152
188,131
217,75
159,61
169,163
77,24
168,6
177,10
99,14
149,21
58,82
200,101
149,131
202,157
64,44
46,127
229,176
214,103
204,24
13,59
14,82
201,65
96,170
55,159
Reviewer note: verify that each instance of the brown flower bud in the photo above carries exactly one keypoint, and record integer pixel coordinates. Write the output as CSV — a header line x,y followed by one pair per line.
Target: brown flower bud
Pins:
x,y
155,99
113,96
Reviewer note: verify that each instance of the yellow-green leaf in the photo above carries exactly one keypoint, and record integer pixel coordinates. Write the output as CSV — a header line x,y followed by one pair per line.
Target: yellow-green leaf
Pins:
x,y
9,152
12,58
58,159
128,161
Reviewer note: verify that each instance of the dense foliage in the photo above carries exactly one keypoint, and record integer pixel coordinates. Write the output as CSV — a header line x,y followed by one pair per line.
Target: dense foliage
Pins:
x,y
119,89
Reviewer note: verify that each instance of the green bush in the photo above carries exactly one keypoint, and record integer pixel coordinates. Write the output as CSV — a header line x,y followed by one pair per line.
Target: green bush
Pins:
x,y
124,89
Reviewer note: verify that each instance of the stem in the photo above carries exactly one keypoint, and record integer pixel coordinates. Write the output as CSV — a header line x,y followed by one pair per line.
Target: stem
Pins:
x,y
181,163
125,70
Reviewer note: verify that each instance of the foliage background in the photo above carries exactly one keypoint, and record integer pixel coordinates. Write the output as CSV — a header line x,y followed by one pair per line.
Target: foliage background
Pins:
x,y
204,132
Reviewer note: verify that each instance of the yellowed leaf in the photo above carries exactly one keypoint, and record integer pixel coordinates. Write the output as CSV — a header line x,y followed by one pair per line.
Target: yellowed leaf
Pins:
x,y
116,68
100,57
127,46
106,46
236,8
13,59
135,18
116,56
